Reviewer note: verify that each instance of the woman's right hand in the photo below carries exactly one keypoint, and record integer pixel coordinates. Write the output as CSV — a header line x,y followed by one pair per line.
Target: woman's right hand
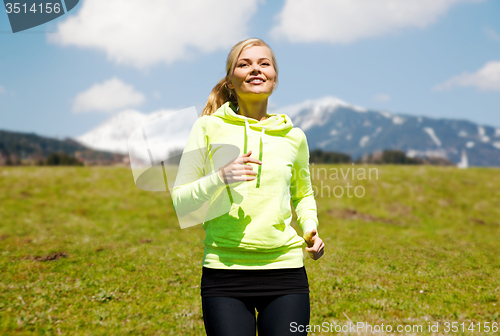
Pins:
x,y
239,170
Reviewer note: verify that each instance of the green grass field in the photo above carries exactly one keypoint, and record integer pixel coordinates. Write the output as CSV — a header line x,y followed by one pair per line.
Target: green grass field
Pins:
x,y
422,245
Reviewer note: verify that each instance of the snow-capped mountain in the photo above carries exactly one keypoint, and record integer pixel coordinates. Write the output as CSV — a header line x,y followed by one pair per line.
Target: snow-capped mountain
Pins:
x,y
334,125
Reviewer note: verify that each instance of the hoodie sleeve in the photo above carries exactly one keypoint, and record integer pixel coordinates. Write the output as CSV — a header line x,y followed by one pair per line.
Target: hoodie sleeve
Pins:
x,y
193,187
301,189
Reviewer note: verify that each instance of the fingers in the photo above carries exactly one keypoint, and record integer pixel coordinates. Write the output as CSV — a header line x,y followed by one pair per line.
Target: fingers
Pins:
x,y
244,178
316,255
245,158
244,172
309,237
318,245
310,242
251,160
321,246
313,235
319,254
317,250
250,176
238,170
246,167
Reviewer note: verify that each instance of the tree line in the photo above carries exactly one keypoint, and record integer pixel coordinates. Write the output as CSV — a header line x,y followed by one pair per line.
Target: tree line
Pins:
x,y
388,156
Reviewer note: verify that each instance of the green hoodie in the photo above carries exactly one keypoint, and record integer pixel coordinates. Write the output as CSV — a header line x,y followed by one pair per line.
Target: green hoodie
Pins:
x,y
255,231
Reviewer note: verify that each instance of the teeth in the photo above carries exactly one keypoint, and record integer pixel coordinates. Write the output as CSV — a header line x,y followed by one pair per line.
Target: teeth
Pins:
x,y
256,81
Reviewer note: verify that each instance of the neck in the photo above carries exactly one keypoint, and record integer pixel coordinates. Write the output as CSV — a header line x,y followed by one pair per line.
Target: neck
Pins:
x,y
253,109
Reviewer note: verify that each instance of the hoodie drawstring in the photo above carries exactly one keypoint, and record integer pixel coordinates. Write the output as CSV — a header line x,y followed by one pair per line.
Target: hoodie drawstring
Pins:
x,y
261,147
247,135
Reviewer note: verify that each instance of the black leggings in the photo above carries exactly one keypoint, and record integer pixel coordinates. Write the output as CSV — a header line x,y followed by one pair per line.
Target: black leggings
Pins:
x,y
228,316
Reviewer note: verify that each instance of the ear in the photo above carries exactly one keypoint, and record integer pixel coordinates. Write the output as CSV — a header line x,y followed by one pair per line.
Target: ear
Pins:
x,y
230,85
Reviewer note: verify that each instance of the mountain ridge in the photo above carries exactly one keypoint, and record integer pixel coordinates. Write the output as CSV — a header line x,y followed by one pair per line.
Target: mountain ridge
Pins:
x,y
332,124
20,146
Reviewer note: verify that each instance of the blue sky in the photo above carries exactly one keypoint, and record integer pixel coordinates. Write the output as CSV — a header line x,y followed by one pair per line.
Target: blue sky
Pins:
x,y
438,58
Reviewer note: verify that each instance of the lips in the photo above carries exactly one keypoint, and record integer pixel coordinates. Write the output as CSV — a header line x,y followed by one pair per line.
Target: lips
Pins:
x,y
255,80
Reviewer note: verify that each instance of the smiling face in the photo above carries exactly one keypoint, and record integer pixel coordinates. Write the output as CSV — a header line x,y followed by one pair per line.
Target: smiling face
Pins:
x,y
254,75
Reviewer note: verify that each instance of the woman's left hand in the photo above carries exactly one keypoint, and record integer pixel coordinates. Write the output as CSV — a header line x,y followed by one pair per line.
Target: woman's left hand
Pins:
x,y
315,246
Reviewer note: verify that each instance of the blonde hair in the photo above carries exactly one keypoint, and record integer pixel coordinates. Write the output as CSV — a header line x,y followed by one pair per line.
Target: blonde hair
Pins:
x,y
221,93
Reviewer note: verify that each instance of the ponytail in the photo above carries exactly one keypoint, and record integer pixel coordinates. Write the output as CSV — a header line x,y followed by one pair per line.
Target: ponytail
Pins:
x,y
220,95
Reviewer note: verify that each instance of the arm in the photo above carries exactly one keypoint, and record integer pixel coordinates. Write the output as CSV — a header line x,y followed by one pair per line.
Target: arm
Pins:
x,y
192,186
301,189
303,201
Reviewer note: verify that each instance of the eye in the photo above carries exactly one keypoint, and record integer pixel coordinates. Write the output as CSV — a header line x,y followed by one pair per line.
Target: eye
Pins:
x,y
241,65
266,64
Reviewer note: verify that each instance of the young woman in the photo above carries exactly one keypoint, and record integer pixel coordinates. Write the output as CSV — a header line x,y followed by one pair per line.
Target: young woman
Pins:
x,y
253,258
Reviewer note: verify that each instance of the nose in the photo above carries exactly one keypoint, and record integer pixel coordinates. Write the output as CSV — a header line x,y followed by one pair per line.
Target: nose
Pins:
x,y
255,68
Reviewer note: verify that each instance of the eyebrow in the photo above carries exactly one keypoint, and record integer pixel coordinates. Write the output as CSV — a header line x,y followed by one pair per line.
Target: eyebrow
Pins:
x,y
248,59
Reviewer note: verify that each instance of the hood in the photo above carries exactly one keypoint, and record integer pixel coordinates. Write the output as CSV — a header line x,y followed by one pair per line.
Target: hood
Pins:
x,y
276,123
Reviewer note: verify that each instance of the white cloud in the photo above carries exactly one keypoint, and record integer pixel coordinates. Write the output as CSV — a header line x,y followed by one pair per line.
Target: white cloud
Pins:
x,y
2,89
109,96
492,34
486,79
147,32
344,21
382,97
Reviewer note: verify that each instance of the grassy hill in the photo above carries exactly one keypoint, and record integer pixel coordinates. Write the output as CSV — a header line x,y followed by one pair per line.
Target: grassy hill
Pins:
x,y
84,252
